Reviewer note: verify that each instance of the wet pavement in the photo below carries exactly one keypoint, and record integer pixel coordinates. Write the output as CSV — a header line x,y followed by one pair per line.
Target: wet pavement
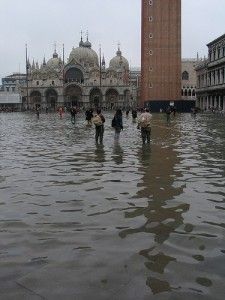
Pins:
x,y
113,221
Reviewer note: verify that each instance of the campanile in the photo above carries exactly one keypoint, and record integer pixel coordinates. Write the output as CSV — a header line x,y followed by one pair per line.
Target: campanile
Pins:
x,y
160,51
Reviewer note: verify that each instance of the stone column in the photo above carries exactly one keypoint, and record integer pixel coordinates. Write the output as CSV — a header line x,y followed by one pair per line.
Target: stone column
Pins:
x,y
221,76
211,101
219,104
215,102
207,102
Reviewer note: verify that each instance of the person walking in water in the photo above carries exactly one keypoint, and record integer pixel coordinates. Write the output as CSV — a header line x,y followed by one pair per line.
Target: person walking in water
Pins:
x,y
60,112
144,123
117,123
38,111
89,116
168,113
73,112
134,115
99,120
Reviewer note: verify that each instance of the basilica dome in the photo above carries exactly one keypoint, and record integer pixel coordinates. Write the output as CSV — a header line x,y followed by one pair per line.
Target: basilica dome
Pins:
x,y
119,62
84,54
54,62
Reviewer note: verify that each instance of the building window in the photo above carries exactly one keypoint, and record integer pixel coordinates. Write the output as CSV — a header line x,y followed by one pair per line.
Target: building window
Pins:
x,y
13,89
150,52
150,85
53,82
150,2
7,89
37,82
150,19
150,35
185,75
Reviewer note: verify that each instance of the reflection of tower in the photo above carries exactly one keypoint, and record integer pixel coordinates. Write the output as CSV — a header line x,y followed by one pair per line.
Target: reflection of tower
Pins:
x,y
162,216
161,50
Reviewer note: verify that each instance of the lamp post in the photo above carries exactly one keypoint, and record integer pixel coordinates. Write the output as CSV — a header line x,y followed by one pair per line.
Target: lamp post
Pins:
x,y
27,68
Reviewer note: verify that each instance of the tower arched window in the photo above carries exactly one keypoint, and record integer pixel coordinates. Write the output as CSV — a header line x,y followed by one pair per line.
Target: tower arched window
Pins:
x,y
185,75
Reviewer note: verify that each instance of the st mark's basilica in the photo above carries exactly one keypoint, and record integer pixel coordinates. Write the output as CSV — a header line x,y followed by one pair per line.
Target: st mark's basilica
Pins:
x,y
84,81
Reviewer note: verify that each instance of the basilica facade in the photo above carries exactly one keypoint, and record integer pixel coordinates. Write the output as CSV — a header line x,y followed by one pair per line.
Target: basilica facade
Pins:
x,y
83,81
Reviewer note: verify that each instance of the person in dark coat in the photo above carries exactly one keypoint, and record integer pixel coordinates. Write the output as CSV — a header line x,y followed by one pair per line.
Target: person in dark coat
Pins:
x,y
117,123
89,116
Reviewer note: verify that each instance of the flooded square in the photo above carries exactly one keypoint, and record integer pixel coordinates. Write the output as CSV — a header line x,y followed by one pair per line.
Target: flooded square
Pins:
x,y
120,220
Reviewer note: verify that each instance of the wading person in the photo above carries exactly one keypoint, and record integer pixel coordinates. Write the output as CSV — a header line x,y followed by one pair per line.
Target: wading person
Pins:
x,y
89,116
99,120
134,115
144,123
168,113
117,123
73,112
38,111
60,112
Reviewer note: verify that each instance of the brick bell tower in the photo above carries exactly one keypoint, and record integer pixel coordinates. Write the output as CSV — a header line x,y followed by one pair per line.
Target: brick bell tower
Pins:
x,y
160,53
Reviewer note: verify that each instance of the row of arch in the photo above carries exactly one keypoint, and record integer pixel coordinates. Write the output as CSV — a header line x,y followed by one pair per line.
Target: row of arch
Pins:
x,y
73,96
188,92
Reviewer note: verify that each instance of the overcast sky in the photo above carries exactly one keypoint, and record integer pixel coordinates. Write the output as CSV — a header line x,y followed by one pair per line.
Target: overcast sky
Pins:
x,y
40,23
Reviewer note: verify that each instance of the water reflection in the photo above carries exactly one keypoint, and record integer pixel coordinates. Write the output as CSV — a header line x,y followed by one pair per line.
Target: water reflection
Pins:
x,y
113,221
99,153
117,153
157,166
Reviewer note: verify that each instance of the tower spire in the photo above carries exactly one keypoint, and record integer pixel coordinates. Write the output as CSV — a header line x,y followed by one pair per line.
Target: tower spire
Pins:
x,y
55,54
81,44
119,53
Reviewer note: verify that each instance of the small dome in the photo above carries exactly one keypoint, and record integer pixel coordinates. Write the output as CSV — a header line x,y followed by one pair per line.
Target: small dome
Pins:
x,y
84,54
119,62
87,44
54,62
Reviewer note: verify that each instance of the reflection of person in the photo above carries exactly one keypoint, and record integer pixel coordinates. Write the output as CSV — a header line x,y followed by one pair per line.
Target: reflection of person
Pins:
x,y
145,125
100,153
117,153
117,123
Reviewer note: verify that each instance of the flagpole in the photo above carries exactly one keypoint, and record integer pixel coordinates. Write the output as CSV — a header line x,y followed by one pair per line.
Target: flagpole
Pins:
x,y
27,67
100,56
63,72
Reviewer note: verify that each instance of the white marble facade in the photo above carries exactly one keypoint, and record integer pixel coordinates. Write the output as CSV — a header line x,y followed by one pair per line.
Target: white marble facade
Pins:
x,y
82,81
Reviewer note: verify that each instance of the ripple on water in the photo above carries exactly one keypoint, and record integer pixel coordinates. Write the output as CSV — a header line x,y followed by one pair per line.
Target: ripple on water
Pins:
x,y
92,210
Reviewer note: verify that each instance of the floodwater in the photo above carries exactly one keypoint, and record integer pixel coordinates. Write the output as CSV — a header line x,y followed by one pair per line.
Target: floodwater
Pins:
x,y
120,221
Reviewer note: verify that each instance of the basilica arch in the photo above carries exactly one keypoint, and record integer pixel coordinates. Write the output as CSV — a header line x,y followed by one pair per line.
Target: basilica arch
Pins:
x,y
35,99
95,97
112,98
74,74
73,95
51,97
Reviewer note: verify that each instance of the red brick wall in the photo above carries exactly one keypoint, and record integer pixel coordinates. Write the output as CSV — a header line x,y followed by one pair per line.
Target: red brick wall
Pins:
x,y
161,68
